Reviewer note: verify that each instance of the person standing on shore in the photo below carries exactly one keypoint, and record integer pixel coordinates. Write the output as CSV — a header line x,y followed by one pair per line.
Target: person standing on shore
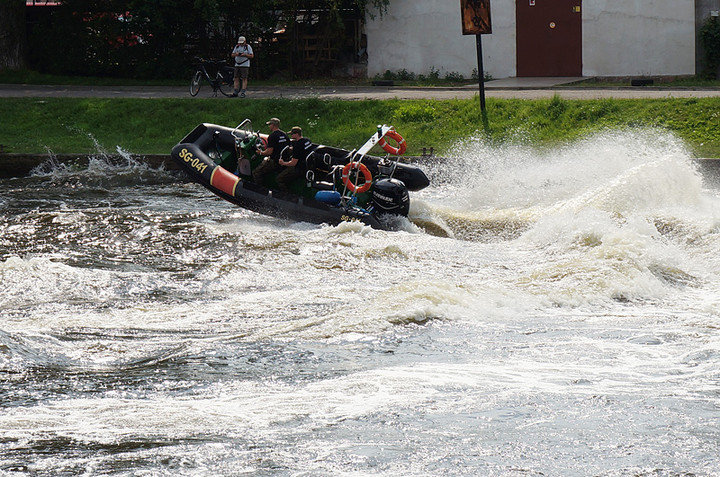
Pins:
x,y
242,54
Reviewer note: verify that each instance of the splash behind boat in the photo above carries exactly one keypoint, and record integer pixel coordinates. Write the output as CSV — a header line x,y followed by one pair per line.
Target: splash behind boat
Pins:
x,y
339,185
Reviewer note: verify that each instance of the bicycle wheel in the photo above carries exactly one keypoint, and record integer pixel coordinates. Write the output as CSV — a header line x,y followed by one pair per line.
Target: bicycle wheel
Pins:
x,y
195,83
226,88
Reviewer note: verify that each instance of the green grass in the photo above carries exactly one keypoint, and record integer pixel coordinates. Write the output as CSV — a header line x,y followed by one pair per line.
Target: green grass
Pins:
x,y
153,126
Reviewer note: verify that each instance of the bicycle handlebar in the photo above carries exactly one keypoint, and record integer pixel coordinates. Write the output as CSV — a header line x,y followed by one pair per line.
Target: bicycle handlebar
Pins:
x,y
206,62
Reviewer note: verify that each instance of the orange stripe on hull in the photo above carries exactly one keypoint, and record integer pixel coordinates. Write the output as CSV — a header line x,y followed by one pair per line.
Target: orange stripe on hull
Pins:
x,y
224,180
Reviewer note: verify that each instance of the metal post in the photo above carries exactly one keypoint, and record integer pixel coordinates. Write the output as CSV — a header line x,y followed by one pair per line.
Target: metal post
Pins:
x,y
481,74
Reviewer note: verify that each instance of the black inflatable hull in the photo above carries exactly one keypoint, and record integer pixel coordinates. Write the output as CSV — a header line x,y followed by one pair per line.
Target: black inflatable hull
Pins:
x,y
205,134
191,154
261,199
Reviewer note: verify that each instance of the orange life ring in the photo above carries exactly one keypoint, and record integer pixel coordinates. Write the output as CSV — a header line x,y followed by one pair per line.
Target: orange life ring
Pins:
x,y
366,175
395,151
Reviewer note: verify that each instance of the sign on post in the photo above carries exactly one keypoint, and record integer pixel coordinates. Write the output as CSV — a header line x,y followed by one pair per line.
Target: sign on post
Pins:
x,y
476,21
476,17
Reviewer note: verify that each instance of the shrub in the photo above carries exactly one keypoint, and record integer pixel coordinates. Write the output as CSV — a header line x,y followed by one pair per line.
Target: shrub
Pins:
x,y
454,76
405,75
710,41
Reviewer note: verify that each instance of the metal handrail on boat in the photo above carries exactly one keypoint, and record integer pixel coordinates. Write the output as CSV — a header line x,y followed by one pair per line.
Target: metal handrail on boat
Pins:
x,y
245,126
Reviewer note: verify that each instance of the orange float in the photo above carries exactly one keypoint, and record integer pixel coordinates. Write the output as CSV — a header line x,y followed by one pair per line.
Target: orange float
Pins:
x,y
395,151
363,170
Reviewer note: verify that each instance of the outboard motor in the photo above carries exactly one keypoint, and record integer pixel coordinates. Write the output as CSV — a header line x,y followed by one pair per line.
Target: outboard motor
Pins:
x,y
390,196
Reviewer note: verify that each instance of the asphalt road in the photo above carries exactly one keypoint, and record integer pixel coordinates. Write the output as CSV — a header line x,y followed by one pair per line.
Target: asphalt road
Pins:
x,y
530,89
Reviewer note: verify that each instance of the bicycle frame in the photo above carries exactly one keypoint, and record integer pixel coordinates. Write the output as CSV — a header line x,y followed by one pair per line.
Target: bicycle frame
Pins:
x,y
223,80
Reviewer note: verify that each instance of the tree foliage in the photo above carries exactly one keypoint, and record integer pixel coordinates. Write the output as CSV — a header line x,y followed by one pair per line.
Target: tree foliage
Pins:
x,y
161,38
12,34
710,41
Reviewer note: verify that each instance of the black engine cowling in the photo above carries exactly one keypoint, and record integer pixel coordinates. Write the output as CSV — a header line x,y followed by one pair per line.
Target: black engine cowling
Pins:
x,y
390,196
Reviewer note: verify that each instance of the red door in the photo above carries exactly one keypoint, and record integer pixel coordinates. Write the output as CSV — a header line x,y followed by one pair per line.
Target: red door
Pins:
x,y
549,37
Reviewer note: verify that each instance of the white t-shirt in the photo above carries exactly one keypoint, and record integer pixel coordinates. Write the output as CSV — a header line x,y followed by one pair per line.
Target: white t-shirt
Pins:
x,y
242,60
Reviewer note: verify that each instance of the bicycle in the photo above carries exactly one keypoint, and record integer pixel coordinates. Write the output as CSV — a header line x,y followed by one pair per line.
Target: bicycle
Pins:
x,y
223,80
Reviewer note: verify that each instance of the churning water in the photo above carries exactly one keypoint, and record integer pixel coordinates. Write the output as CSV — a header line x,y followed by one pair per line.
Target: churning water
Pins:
x,y
549,313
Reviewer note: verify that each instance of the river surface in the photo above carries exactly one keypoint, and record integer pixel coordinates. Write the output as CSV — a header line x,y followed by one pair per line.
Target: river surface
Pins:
x,y
551,313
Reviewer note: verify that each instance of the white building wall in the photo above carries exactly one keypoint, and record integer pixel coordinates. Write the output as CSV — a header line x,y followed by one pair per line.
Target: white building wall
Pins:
x,y
620,38
419,35
642,37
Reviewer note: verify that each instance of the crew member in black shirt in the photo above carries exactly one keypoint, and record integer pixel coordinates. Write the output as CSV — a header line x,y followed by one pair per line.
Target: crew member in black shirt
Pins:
x,y
294,167
276,142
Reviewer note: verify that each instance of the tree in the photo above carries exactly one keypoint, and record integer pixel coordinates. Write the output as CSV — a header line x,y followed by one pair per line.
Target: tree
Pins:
x,y
116,38
710,42
160,38
317,34
12,34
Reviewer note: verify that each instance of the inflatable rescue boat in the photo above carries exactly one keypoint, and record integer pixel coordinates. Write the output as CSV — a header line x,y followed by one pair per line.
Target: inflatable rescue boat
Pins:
x,y
337,186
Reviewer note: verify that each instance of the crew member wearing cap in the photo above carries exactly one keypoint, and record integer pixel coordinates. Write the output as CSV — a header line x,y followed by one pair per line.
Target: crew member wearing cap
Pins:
x,y
295,167
242,54
276,142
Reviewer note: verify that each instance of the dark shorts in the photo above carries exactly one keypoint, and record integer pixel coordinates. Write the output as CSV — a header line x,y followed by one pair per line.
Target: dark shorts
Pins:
x,y
242,72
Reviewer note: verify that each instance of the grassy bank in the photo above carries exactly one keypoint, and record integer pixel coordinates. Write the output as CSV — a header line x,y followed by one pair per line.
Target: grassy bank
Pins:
x,y
153,126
